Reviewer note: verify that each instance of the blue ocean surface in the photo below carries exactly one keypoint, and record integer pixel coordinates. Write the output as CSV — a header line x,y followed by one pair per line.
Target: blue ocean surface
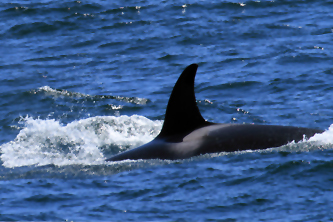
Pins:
x,y
81,81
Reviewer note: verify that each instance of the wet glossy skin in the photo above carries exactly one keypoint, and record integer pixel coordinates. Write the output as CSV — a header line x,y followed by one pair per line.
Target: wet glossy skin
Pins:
x,y
185,133
218,138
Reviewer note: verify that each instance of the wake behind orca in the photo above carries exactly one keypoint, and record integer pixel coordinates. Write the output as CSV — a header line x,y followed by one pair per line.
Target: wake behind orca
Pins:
x,y
185,133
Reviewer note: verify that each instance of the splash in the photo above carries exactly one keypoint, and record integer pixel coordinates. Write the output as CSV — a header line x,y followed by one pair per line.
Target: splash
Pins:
x,y
324,138
43,142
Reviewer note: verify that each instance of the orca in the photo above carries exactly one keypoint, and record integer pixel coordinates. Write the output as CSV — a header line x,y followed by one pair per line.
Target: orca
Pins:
x,y
185,133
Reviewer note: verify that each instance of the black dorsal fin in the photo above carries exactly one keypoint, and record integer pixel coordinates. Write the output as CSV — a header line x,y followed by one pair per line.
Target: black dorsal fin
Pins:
x,y
182,115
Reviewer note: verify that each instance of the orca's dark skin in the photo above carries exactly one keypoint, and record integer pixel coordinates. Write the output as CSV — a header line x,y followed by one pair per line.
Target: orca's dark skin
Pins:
x,y
185,133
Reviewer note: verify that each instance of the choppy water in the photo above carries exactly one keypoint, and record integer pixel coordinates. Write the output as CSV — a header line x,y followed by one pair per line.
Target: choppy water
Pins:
x,y
83,80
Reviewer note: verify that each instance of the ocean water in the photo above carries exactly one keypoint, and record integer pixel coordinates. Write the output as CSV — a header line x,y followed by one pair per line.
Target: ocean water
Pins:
x,y
84,80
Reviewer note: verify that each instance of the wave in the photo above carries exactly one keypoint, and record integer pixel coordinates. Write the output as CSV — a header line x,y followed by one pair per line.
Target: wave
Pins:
x,y
86,141
64,93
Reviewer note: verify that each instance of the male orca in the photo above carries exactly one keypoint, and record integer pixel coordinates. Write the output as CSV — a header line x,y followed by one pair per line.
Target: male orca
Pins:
x,y
185,133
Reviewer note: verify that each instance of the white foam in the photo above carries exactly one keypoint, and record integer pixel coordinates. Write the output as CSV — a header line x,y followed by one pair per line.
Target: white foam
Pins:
x,y
324,138
43,142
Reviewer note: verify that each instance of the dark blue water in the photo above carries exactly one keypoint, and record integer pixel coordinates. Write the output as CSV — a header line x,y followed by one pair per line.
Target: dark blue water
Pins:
x,y
83,80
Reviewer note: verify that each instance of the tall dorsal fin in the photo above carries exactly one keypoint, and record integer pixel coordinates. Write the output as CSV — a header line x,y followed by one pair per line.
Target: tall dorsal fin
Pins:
x,y
182,114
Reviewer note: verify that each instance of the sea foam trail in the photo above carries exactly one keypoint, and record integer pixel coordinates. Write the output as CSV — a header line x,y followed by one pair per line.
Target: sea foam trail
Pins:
x,y
43,142
55,93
